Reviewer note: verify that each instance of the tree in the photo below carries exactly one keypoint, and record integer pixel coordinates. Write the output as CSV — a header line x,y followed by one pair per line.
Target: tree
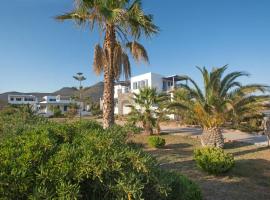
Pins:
x,y
145,108
222,99
80,77
122,23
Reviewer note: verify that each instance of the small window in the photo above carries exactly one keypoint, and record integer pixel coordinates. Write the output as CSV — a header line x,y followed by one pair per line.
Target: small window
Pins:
x,y
126,89
164,85
135,85
146,83
11,99
28,99
18,99
142,84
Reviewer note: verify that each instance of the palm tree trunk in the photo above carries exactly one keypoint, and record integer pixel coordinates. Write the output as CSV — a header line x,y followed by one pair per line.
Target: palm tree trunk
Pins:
x,y
212,137
148,130
158,127
108,95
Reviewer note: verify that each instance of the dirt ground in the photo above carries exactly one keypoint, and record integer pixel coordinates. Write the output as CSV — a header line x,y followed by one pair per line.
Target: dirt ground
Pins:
x,y
248,180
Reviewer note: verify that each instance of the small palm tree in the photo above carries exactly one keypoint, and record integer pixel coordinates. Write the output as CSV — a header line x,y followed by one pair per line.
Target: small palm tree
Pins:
x,y
122,23
145,108
222,99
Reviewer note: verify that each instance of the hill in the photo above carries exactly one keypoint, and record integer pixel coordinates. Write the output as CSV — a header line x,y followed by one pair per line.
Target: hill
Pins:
x,y
95,92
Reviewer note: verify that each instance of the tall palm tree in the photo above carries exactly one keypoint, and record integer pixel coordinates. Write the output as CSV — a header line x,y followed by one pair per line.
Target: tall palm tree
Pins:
x,y
222,99
122,23
145,108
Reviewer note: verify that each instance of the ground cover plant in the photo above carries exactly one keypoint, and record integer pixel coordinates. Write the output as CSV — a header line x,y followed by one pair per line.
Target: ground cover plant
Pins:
x,y
156,142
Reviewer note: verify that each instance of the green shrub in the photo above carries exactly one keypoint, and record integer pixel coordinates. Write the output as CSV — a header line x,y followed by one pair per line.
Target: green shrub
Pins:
x,y
15,119
80,160
180,184
213,160
157,142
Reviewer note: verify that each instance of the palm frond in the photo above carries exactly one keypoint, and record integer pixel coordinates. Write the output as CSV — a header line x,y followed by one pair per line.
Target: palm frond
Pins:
x,y
138,51
99,60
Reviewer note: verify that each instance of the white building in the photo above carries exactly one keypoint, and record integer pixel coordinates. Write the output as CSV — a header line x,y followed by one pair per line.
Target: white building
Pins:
x,y
153,80
31,100
49,102
123,90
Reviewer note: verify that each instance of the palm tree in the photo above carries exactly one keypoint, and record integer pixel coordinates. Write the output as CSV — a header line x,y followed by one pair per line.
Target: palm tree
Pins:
x,y
145,108
122,23
222,99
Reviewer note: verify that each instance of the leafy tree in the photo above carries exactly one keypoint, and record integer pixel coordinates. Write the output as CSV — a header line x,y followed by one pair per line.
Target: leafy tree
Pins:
x,y
122,23
147,108
222,99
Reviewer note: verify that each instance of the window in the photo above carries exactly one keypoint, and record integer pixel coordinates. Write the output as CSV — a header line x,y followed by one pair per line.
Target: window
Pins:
x,y
52,100
144,83
28,99
164,85
126,89
18,99
170,84
135,85
11,99
65,108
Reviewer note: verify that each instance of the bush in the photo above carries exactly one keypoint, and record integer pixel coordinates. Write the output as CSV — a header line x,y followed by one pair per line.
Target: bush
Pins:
x,y
213,160
15,119
180,184
80,160
157,142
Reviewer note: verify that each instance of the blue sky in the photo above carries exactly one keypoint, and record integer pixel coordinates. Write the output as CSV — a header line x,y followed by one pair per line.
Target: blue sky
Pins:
x,y
38,53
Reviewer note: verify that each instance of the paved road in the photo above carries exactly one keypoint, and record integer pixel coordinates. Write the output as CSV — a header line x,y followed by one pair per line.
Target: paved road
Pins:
x,y
229,135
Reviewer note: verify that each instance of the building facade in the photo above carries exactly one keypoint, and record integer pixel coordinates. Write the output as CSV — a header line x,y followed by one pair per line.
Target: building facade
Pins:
x,y
123,91
45,106
23,100
48,104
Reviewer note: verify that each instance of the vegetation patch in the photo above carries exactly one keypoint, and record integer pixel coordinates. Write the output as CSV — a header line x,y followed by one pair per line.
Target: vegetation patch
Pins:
x,y
80,160
156,142
131,128
213,160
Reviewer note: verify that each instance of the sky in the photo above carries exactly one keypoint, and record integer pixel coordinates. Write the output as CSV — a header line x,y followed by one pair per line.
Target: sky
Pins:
x,y
40,54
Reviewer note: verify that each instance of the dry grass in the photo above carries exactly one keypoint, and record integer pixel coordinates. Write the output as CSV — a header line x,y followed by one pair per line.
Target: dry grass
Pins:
x,y
250,178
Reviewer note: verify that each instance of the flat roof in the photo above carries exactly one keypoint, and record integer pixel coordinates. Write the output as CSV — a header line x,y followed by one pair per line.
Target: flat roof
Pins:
x,y
124,83
174,77
21,95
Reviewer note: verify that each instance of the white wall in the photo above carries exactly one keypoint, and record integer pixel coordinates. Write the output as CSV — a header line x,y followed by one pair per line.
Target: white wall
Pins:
x,y
142,77
157,82
23,101
154,81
